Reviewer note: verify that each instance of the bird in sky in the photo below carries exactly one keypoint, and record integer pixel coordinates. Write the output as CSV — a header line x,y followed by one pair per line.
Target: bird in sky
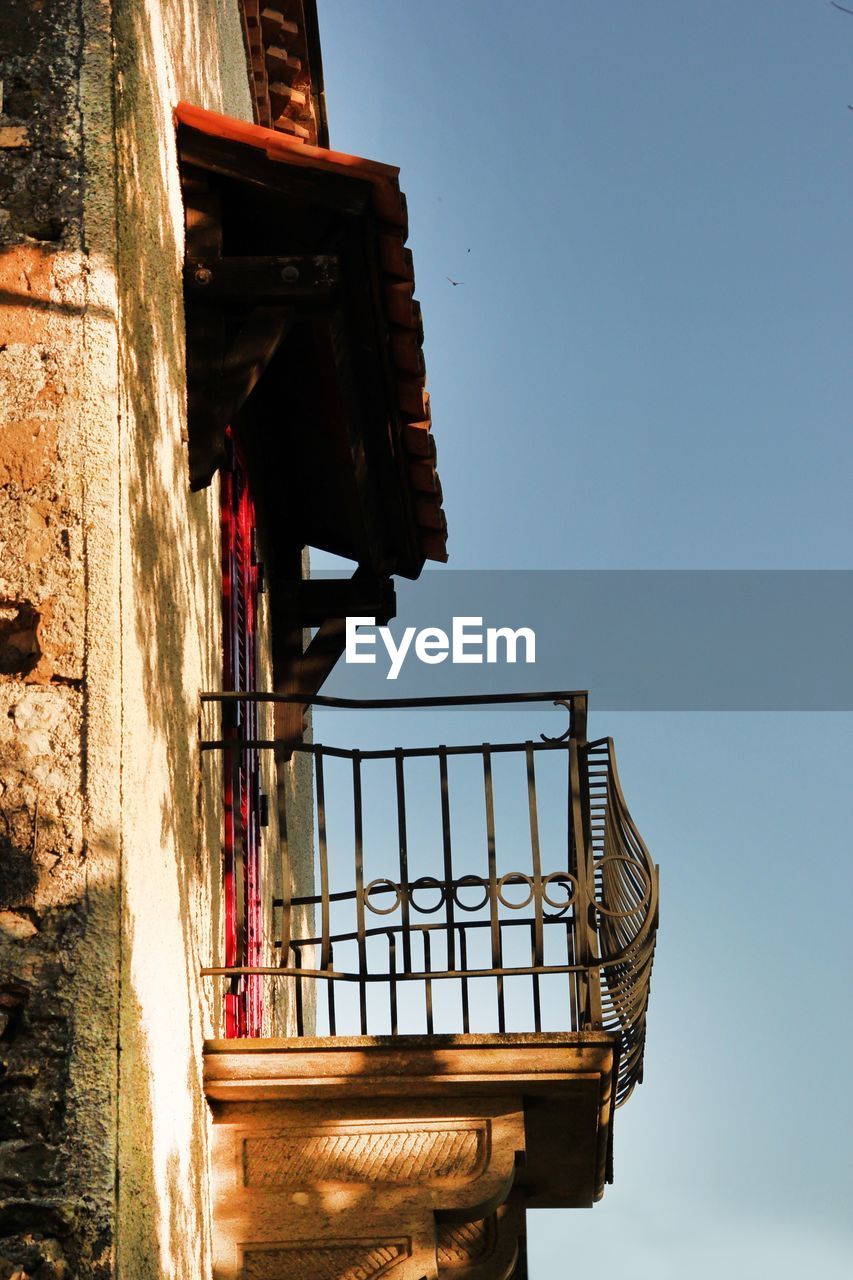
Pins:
x,y
454,282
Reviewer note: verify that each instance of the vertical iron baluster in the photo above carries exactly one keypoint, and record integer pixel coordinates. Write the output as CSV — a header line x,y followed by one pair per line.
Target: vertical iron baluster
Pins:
x,y
359,889
331,994
325,962
449,902
535,852
404,860
493,874
427,982
501,1006
254,904
589,859
589,989
594,995
286,882
578,718
537,1006
575,849
463,965
573,978
239,864
577,981
392,971
300,1016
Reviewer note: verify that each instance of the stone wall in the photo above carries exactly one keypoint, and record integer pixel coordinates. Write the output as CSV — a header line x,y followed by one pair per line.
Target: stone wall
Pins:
x,y
109,617
58,665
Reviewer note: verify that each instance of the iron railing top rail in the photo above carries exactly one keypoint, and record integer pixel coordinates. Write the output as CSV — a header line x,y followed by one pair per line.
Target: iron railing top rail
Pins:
x,y
391,704
575,701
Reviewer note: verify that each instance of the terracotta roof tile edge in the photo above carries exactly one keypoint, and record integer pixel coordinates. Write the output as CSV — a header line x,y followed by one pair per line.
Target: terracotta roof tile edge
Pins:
x,y
273,140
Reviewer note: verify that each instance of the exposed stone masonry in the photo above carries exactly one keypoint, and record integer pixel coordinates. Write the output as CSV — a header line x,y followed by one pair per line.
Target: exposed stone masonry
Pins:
x,y
47,1230
40,179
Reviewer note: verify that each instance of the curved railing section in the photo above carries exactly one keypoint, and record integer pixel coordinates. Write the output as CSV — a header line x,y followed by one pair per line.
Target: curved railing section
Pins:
x,y
626,911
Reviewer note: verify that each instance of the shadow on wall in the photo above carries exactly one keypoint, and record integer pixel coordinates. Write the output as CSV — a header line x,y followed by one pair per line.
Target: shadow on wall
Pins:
x,y
41,1232
39,1223
171,647
162,1193
14,298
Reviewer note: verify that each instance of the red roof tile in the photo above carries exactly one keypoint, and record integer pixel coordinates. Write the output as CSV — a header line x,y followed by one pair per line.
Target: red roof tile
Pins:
x,y
285,73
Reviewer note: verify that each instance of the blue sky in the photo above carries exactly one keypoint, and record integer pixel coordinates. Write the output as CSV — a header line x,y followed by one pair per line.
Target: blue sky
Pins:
x,y
647,365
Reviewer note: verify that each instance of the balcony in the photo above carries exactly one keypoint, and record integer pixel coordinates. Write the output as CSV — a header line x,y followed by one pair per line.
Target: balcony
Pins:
x,y
464,987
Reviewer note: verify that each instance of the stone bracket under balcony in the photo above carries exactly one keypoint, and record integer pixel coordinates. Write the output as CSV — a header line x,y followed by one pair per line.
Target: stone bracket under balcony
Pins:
x,y
408,1156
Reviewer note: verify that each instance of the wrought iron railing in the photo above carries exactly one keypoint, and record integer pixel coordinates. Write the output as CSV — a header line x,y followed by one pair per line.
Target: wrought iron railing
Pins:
x,y
489,887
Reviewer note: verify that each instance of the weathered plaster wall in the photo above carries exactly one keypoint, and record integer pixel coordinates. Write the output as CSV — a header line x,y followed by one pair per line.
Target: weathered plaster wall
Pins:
x,y
166,50
58,659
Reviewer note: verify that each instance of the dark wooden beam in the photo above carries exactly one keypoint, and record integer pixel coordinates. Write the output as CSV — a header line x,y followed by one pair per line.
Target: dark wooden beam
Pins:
x,y
306,672
223,373
312,601
293,279
306,675
321,655
341,408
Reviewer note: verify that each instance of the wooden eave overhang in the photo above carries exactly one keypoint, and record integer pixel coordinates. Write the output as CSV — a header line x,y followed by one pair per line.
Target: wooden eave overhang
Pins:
x,y
299,291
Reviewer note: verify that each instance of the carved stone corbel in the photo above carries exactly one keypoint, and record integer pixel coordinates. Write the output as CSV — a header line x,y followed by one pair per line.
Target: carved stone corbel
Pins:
x,y
411,1157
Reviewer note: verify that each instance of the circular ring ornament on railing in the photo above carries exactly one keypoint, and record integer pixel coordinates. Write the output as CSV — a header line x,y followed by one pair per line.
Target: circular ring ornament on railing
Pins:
x,y
466,882
563,878
383,884
610,912
427,882
516,877
563,737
